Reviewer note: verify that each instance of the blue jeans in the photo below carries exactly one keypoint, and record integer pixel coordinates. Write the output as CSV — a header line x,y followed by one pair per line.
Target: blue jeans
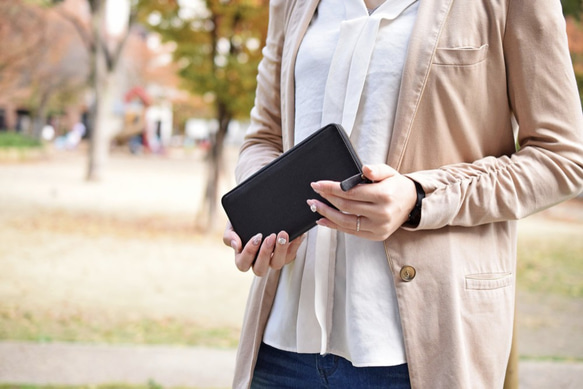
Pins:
x,y
282,369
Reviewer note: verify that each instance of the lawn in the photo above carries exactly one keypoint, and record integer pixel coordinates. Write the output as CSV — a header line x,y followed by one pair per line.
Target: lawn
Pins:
x,y
552,265
16,140
139,289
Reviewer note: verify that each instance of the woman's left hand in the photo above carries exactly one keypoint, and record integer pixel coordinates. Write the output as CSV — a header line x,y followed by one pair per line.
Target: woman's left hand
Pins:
x,y
372,211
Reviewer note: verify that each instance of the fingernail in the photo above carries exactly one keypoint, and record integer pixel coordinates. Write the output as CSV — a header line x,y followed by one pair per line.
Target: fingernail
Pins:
x,y
257,239
282,241
316,187
270,241
234,245
313,206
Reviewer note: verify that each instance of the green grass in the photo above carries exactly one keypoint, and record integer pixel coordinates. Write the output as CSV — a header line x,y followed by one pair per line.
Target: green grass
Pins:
x,y
556,359
551,264
19,141
16,324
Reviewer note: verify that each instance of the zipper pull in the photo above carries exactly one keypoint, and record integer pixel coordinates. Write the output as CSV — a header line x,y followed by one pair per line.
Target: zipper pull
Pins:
x,y
351,182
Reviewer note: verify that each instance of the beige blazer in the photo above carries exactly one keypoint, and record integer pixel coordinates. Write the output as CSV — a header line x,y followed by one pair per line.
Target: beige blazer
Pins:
x,y
474,69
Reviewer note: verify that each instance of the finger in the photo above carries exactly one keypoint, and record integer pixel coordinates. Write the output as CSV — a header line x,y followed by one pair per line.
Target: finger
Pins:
x,y
331,190
378,172
264,257
230,238
245,259
335,219
280,252
293,247
375,173
348,230
343,206
326,188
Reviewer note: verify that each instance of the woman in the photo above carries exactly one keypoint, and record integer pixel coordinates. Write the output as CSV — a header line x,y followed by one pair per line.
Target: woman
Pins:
x,y
412,282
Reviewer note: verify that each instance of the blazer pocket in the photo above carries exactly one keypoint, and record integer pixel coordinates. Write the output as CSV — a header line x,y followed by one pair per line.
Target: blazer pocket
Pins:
x,y
460,56
487,281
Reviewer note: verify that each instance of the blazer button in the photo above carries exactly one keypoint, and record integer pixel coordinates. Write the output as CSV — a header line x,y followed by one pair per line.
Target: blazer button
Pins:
x,y
408,273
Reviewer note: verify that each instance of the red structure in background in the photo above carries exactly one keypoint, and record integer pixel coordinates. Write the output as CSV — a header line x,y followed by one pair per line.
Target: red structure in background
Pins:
x,y
137,101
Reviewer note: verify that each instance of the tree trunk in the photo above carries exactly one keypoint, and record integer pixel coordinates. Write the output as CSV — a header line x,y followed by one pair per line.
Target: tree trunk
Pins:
x,y
103,62
208,213
103,73
40,116
103,126
97,61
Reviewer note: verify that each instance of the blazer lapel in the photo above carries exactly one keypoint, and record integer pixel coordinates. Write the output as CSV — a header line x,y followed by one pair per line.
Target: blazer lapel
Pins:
x,y
422,44
299,21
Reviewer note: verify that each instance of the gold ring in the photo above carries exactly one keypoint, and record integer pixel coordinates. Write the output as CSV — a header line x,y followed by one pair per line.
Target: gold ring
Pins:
x,y
357,223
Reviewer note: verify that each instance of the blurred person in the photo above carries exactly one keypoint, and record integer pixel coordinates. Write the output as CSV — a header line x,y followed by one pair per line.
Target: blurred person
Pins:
x,y
73,138
136,143
48,132
76,134
411,282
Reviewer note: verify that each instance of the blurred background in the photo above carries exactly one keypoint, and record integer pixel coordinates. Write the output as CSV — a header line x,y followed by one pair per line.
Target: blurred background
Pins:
x,y
120,122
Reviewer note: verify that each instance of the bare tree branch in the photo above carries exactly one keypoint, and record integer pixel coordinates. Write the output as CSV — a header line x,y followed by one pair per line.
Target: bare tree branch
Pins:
x,y
81,28
17,32
113,58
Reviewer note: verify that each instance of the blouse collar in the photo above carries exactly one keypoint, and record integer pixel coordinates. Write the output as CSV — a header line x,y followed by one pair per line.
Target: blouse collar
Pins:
x,y
390,8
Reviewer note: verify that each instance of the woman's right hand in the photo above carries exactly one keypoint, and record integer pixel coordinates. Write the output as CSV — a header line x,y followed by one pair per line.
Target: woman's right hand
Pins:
x,y
274,251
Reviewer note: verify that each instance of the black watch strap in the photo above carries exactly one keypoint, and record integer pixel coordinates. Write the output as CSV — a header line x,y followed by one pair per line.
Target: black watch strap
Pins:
x,y
415,215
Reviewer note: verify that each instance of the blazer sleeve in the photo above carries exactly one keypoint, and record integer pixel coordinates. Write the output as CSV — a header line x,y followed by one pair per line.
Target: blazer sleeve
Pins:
x,y
548,166
263,140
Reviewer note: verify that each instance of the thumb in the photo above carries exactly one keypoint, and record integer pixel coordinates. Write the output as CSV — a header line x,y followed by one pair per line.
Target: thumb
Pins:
x,y
378,172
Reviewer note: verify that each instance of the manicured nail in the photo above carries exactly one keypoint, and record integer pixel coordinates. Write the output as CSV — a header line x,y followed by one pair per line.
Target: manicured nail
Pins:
x,y
316,187
281,240
270,241
234,245
313,206
257,239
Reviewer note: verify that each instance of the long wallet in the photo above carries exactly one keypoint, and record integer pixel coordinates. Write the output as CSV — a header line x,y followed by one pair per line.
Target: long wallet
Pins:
x,y
275,198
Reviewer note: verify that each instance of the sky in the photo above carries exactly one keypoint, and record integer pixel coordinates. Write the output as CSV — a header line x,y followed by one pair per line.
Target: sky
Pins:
x,y
117,13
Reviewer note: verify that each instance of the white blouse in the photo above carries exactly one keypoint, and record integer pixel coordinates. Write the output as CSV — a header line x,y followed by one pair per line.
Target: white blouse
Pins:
x,y
338,295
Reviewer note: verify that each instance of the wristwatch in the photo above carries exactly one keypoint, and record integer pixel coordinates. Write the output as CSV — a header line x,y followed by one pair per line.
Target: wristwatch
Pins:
x,y
415,215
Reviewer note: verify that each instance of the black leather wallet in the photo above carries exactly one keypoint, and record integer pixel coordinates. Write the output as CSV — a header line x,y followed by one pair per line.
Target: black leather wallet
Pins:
x,y
275,198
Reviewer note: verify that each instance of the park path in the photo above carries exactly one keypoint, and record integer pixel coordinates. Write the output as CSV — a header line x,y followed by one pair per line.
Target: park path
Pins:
x,y
78,364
